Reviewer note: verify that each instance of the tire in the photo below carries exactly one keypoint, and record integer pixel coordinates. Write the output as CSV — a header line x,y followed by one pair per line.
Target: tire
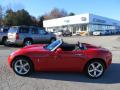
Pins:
x,y
52,40
22,66
95,69
28,42
4,41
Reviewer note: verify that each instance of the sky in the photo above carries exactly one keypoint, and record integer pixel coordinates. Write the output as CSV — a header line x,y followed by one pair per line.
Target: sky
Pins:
x,y
107,8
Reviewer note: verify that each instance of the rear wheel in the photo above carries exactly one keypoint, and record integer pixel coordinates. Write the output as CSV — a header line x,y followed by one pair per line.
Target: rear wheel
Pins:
x,y
27,42
22,66
95,69
4,41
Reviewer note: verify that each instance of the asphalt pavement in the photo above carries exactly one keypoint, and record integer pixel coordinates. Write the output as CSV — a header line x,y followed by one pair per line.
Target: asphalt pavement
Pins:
x,y
64,81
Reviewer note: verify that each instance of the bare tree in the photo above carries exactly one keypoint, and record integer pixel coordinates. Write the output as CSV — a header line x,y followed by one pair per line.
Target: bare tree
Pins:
x,y
55,13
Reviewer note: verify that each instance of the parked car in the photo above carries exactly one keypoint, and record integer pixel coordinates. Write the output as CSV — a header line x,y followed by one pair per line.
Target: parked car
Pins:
x,y
3,35
58,33
118,31
96,33
60,56
66,33
99,32
115,32
108,32
24,35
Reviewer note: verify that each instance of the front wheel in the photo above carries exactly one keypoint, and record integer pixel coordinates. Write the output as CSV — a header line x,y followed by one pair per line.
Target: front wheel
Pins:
x,y
22,66
95,69
27,42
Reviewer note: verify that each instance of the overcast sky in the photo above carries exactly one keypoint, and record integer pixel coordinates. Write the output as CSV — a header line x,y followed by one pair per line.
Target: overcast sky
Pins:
x,y
107,8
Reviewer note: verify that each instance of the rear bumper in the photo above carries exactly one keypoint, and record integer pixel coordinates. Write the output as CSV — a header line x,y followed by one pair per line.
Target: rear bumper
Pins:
x,y
16,42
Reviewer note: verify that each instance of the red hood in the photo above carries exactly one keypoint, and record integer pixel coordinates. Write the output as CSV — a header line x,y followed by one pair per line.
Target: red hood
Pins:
x,y
31,48
35,47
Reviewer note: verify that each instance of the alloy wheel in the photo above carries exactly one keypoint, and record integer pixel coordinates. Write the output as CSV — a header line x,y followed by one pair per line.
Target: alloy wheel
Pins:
x,y
95,69
28,42
22,67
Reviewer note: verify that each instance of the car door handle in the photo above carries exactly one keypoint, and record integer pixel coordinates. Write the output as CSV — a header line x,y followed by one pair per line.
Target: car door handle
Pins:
x,y
77,55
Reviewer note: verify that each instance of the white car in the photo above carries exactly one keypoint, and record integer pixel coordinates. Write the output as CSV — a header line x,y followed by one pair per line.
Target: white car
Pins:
x,y
99,32
96,33
58,33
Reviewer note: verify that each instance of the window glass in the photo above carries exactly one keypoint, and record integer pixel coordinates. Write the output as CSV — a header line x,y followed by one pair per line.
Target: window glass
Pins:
x,y
84,28
13,30
23,30
53,45
5,30
34,31
42,31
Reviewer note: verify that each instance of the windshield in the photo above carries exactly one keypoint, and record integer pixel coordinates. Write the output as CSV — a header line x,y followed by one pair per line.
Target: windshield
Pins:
x,y
54,45
13,30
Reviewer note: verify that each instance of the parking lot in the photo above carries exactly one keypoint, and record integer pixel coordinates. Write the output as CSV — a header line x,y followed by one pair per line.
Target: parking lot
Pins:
x,y
64,81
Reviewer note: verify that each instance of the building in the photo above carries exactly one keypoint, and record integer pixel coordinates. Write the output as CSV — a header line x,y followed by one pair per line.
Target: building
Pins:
x,y
83,24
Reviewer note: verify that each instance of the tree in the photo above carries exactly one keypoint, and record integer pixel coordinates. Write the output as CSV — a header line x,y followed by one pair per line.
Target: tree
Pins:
x,y
40,21
23,17
1,14
8,17
20,17
34,21
55,13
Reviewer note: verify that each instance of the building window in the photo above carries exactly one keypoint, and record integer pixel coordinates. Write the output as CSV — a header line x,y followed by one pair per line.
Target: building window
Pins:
x,y
101,27
84,28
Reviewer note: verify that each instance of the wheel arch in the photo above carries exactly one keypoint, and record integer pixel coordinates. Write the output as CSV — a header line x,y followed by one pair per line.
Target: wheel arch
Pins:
x,y
4,37
94,59
28,38
23,56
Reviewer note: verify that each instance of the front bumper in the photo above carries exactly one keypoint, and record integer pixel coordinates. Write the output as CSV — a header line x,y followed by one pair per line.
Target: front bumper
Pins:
x,y
10,61
108,60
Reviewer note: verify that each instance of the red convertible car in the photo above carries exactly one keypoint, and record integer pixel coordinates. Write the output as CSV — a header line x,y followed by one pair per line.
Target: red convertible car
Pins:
x,y
60,56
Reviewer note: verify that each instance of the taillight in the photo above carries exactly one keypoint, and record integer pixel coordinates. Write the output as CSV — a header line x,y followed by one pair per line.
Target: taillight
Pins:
x,y
17,36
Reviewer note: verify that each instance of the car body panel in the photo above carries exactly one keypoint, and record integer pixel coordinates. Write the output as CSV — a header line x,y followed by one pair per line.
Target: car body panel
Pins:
x,y
30,33
3,33
73,61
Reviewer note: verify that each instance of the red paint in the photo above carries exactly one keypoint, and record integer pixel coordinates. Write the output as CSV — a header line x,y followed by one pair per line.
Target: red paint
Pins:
x,y
59,60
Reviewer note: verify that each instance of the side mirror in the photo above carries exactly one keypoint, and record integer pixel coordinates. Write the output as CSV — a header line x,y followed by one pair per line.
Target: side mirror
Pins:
x,y
58,50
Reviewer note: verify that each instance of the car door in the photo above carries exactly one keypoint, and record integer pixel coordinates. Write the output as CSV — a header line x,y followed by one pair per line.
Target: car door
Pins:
x,y
35,35
71,60
47,61
1,36
43,35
